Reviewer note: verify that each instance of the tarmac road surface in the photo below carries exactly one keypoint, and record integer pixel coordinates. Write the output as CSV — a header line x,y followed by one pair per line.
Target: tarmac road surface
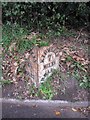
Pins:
x,y
40,109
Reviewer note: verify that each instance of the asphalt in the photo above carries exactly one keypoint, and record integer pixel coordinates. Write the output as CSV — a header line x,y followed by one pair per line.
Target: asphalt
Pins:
x,y
12,108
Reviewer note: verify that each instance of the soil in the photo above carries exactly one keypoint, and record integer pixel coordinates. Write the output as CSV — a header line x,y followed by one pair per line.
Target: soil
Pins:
x,y
72,92
69,91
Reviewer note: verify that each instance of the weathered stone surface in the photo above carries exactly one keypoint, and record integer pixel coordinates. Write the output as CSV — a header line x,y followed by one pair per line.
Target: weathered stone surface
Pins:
x,y
32,66
42,61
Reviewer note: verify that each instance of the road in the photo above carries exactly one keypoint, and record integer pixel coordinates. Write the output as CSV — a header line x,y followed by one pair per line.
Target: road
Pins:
x,y
40,109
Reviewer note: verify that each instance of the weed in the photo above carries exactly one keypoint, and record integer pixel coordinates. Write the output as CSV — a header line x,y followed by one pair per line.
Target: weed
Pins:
x,y
85,82
6,36
32,91
39,43
17,35
83,79
23,45
5,82
69,58
79,73
46,90
43,43
61,31
76,74
12,34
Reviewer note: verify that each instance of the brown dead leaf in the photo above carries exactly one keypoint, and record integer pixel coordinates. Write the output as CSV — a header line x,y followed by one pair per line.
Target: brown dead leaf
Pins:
x,y
68,64
38,39
34,106
29,37
15,64
74,57
63,59
14,79
57,113
60,53
12,46
86,62
36,44
21,60
33,34
27,55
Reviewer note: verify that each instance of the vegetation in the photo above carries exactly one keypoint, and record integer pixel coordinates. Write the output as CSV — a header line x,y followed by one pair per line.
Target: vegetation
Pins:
x,y
19,36
27,24
5,82
46,15
82,76
46,90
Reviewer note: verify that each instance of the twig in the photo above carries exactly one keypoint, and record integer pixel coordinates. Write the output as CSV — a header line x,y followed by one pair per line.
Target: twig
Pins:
x,y
79,34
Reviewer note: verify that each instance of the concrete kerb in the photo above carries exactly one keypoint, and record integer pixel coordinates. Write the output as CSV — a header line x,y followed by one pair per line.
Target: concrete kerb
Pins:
x,y
60,103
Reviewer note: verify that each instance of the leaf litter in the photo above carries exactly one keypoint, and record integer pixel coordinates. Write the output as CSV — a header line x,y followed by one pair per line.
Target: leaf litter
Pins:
x,y
14,64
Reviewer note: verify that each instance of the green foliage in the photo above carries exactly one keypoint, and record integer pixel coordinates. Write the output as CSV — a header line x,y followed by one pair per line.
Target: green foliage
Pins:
x,y
24,45
5,82
46,90
84,79
6,36
69,58
45,15
79,72
85,83
43,43
61,31
12,34
16,34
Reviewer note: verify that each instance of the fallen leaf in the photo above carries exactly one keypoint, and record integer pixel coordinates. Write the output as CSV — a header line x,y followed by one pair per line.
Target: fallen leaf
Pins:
x,y
73,109
60,53
27,55
21,61
34,106
68,64
14,79
57,113
36,44
12,46
15,64
63,59
38,39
